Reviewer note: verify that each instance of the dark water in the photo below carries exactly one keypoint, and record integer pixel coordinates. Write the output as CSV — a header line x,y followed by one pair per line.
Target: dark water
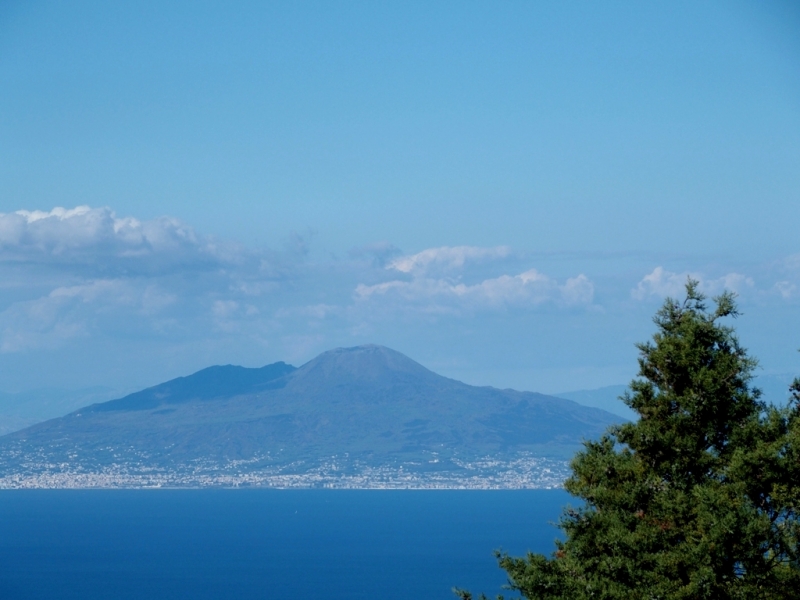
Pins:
x,y
299,544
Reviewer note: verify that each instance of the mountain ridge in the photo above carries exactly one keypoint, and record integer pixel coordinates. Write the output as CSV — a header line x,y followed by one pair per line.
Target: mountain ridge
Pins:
x,y
212,382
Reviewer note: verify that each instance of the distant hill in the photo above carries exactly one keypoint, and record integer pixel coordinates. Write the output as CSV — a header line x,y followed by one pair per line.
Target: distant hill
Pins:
x,y
775,390
368,404
604,398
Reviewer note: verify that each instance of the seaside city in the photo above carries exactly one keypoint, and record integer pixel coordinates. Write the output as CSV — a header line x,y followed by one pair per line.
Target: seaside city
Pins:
x,y
522,472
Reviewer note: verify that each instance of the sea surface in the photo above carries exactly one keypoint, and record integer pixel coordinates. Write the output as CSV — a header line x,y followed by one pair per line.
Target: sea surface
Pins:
x,y
248,544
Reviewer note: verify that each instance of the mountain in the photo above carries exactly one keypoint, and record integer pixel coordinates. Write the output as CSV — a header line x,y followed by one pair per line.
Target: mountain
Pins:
x,y
369,406
604,398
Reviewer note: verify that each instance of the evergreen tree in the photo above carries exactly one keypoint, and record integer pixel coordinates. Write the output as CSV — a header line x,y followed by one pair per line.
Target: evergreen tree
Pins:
x,y
698,499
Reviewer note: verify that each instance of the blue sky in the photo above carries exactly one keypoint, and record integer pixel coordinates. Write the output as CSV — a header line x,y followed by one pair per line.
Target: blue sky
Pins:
x,y
504,192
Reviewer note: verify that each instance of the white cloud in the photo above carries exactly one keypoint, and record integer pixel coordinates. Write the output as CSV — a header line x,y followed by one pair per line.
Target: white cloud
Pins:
x,y
97,238
528,289
446,258
786,289
661,283
734,282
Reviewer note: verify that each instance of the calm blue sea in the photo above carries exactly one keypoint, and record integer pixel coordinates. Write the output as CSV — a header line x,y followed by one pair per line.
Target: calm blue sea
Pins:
x,y
248,544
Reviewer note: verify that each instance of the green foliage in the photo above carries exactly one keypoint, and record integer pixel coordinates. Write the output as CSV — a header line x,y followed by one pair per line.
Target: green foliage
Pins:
x,y
698,499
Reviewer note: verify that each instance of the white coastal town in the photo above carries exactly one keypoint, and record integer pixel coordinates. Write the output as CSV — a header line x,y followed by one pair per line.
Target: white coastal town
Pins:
x,y
522,472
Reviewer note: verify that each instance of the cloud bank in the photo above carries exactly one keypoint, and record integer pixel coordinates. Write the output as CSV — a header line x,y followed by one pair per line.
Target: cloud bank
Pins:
x,y
434,282
525,290
95,238
81,278
661,283
102,275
